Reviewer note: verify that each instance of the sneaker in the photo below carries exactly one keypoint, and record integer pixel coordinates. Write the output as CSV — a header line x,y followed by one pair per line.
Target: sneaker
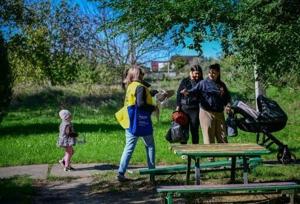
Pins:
x,y
62,162
122,178
71,168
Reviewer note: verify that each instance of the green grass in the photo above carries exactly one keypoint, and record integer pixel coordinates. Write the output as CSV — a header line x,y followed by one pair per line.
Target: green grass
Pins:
x,y
29,132
16,190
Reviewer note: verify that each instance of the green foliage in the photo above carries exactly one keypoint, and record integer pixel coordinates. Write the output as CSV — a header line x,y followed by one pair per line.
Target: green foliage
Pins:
x,y
238,79
50,47
268,36
11,12
179,63
261,33
99,73
6,79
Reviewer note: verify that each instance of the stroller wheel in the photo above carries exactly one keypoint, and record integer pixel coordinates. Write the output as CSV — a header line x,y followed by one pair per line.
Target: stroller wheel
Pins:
x,y
284,156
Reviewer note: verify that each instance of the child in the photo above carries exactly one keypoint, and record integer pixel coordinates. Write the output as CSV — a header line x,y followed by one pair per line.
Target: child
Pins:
x,y
66,139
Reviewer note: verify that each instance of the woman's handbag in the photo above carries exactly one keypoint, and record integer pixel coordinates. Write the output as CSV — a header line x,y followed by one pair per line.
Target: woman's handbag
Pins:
x,y
180,117
177,133
231,125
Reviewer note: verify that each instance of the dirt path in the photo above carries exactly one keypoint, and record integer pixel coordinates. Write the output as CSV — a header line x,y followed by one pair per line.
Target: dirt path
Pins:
x,y
89,190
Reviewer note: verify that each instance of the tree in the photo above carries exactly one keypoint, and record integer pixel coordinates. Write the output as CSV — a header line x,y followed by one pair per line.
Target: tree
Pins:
x,y
50,47
125,46
179,63
10,13
265,33
5,79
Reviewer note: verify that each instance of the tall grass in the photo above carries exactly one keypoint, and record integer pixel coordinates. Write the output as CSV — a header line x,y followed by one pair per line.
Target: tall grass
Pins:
x,y
30,130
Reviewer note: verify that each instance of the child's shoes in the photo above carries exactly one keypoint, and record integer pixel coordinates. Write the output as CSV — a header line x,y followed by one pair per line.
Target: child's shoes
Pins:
x,y
69,168
62,163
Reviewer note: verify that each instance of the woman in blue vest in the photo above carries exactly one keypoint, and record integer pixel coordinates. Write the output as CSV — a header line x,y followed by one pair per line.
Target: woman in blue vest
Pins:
x,y
138,101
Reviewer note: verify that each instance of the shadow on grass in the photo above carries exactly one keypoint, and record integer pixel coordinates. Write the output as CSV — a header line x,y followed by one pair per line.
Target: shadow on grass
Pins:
x,y
16,190
36,129
49,97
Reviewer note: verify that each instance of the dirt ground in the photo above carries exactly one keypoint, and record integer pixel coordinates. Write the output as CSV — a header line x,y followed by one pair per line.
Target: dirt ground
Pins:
x,y
137,191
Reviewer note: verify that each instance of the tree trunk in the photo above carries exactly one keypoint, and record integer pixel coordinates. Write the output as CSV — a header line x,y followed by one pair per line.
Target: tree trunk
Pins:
x,y
259,88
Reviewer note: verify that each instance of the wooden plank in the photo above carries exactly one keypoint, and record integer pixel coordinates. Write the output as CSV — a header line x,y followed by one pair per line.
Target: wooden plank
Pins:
x,y
255,187
233,149
206,165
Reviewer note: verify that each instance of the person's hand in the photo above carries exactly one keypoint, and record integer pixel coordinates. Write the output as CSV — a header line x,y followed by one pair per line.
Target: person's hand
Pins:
x,y
153,92
184,92
228,109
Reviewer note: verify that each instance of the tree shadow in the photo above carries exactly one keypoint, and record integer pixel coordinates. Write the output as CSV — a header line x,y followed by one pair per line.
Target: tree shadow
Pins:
x,y
49,97
42,128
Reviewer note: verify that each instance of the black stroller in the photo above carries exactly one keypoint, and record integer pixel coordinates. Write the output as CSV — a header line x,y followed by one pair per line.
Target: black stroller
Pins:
x,y
270,118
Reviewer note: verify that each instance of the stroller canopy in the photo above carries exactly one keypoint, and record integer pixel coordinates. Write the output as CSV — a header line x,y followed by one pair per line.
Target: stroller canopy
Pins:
x,y
270,117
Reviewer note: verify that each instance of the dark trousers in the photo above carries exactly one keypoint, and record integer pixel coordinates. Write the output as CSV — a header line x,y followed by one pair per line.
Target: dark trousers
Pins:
x,y
194,123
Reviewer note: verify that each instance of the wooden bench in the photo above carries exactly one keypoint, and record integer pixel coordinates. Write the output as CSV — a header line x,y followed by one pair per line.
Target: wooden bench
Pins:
x,y
288,188
209,166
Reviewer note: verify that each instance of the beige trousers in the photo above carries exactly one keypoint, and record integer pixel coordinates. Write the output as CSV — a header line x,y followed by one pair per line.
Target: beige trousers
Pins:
x,y
213,126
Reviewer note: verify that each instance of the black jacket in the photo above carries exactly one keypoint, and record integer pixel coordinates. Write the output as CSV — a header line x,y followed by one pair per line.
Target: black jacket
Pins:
x,y
213,95
190,101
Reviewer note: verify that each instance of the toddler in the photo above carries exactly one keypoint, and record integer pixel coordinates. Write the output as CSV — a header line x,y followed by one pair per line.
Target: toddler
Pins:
x,y
66,139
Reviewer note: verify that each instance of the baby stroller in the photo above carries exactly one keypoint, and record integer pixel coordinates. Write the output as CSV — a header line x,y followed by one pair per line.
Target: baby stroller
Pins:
x,y
270,118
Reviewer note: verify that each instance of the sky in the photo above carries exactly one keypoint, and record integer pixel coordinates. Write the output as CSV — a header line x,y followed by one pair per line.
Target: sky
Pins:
x,y
210,49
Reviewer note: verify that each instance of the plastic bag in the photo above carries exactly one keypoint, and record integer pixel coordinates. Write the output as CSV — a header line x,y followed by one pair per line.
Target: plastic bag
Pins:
x,y
177,133
231,126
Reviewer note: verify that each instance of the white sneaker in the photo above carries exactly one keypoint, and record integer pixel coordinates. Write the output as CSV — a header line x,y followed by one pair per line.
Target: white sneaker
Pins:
x,y
62,163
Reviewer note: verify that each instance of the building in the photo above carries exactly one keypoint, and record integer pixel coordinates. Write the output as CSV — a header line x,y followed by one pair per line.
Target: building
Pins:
x,y
158,66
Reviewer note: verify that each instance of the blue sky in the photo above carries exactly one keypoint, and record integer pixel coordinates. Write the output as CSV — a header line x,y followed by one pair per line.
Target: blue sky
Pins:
x,y
210,49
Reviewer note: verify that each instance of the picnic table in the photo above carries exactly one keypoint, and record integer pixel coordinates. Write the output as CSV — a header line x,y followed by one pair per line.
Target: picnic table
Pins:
x,y
232,150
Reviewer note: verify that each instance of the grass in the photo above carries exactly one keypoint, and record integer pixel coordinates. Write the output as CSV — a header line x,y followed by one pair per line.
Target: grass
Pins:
x,y
16,190
30,130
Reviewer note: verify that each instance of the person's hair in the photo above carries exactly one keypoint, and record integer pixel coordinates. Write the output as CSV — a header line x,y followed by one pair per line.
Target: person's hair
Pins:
x,y
133,74
217,68
197,68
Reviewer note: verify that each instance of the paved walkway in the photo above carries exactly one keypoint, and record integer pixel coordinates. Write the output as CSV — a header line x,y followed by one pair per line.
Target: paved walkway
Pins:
x,y
42,171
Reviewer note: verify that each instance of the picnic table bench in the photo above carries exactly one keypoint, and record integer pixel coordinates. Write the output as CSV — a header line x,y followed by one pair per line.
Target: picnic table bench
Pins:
x,y
208,166
288,188
233,150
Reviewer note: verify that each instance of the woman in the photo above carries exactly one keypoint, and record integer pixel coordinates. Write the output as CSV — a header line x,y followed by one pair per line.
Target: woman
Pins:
x,y
214,97
139,104
189,104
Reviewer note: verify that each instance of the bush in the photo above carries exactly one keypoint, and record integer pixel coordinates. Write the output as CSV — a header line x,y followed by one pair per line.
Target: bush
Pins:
x,y
5,79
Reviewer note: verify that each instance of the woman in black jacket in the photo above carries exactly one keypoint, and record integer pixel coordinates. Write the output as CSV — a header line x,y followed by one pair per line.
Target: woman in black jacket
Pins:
x,y
189,104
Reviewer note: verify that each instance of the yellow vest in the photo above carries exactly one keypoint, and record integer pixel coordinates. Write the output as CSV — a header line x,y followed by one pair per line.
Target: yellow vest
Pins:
x,y
130,99
130,94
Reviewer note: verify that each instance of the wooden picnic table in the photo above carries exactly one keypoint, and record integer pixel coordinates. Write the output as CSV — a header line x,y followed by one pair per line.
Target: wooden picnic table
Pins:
x,y
232,150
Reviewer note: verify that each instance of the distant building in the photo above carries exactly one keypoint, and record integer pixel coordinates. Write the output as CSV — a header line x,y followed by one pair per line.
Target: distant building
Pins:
x,y
157,66
160,66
